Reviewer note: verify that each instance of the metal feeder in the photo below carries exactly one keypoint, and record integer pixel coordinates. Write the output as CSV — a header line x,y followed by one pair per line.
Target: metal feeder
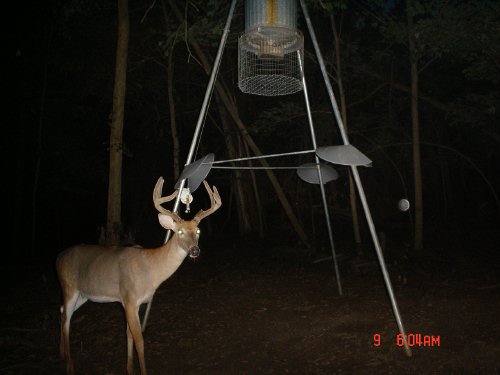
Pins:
x,y
269,49
271,63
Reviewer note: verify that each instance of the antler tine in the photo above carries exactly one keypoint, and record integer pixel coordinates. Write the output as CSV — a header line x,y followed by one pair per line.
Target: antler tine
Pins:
x,y
215,203
158,199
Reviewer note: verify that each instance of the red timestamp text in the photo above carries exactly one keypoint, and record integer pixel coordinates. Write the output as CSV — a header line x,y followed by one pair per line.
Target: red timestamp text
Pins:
x,y
413,340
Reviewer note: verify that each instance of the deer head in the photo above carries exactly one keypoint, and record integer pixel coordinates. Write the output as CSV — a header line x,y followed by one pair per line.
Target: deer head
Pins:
x,y
186,233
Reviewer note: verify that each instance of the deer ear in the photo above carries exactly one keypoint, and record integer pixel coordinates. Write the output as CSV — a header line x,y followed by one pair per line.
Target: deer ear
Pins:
x,y
166,221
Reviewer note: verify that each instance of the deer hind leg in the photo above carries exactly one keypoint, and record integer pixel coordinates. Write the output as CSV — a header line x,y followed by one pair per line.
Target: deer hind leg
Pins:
x,y
134,335
66,313
130,352
71,304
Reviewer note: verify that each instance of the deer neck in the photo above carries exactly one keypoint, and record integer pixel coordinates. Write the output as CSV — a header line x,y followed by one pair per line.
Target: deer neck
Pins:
x,y
168,258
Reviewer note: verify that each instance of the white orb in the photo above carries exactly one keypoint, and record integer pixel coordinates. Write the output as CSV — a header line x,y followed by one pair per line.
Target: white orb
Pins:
x,y
404,205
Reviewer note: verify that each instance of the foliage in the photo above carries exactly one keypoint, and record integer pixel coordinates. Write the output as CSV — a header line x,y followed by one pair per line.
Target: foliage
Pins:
x,y
458,56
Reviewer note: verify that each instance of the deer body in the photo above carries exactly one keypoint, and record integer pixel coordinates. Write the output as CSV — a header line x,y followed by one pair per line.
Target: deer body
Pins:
x,y
126,274
112,272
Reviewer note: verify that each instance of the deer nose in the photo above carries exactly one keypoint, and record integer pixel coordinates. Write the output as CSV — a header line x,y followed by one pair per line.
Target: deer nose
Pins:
x,y
194,252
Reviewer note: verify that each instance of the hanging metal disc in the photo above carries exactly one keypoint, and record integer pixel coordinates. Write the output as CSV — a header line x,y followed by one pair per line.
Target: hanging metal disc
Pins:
x,y
196,172
343,155
309,173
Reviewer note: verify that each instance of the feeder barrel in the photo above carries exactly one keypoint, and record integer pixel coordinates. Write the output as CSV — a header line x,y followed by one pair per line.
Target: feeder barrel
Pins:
x,y
270,13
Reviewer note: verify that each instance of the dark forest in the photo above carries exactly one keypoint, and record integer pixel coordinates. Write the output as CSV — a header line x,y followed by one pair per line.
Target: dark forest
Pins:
x,y
408,76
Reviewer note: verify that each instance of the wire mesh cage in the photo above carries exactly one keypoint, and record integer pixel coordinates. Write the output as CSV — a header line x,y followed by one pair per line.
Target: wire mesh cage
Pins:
x,y
271,49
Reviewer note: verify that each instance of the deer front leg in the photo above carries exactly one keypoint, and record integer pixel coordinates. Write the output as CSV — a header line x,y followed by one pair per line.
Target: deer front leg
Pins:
x,y
134,334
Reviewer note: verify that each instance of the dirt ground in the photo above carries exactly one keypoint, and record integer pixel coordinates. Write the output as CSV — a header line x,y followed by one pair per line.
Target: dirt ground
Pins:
x,y
250,311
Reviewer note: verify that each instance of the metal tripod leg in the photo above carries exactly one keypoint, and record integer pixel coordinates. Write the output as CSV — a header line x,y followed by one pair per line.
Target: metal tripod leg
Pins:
x,y
321,186
357,180
199,124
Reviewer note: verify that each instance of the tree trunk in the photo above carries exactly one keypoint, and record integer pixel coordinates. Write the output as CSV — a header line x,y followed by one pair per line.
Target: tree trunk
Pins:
x,y
171,109
237,180
258,203
274,181
113,225
171,101
343,108
415,126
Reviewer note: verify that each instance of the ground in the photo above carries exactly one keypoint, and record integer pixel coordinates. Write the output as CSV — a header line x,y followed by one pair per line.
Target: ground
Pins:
x,y
251,311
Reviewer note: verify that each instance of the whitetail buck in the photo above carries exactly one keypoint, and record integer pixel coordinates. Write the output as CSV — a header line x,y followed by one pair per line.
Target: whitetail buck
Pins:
x,y
127,274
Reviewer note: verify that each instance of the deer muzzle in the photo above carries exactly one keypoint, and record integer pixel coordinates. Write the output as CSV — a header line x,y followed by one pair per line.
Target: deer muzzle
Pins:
x,y
194,252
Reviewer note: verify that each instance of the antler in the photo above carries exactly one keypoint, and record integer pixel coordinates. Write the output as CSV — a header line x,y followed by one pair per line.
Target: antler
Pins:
x,y
215,201
158,200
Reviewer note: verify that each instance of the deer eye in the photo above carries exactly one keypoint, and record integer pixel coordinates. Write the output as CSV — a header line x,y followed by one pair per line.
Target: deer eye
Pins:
x,y
198,231
180,232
